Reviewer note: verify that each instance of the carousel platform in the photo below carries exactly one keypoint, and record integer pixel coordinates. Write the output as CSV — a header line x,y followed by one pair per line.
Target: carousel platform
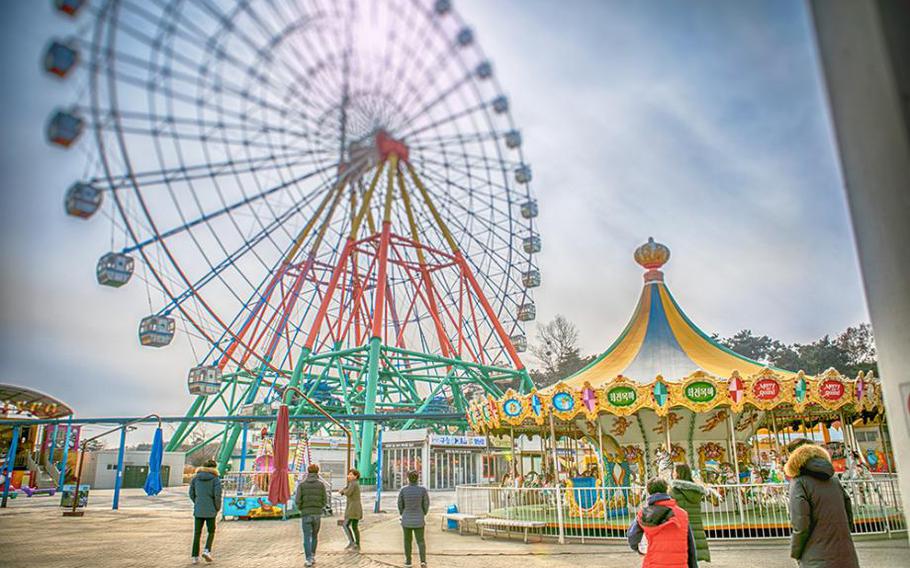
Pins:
x,y
753,524
733,512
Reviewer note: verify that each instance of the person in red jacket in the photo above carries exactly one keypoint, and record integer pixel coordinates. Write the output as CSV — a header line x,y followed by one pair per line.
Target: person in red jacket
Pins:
x,y
671,543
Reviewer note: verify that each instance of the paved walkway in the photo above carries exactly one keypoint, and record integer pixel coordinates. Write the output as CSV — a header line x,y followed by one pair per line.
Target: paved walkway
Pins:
x,y
157,532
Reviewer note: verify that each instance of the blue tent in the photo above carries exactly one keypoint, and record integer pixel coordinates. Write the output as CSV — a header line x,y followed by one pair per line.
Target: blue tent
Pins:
x,y
153,481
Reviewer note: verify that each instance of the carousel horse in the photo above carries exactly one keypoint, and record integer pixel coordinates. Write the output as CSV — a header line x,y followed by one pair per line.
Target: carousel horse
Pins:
x,y
664,463
532,479
764,492
860,475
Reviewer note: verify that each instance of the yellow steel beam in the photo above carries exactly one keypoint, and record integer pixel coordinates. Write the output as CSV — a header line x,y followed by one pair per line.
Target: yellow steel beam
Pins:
x,y
387,209
412,223
364,207
305,231
436,216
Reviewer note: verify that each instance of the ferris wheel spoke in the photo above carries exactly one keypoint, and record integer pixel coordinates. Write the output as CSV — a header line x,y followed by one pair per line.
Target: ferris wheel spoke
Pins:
x,y
427,72
234,257
227,209
441,141
472,236
228,28
504,244
195,101
442,97
448,119
469,160
203,171
170,119
422,44
189,78
506,197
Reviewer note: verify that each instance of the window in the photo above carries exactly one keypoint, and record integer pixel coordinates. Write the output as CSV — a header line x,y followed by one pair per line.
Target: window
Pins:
x,y
867,436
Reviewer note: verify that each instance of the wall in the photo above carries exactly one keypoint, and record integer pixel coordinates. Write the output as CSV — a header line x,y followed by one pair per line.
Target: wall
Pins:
x,y
100,467
863,52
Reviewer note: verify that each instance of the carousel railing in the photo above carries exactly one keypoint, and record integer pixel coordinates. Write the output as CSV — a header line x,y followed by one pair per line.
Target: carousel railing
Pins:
x,y
729,511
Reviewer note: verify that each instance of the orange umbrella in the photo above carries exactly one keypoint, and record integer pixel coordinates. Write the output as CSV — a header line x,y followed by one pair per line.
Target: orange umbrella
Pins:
x,y
279,490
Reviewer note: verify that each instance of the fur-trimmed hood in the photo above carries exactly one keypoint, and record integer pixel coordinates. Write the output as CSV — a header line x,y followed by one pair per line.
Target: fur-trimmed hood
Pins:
x,y
209,470
685,485
811,460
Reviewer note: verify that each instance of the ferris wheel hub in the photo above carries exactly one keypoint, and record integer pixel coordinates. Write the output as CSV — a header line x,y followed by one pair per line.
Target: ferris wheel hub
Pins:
x,y
373,149
386,146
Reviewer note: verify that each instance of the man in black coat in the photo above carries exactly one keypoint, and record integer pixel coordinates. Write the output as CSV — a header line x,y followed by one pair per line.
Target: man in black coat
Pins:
x,y
205,493
820,511
310,500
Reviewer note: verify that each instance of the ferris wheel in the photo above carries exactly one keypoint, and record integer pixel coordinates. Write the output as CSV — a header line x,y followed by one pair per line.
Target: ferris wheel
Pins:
x,y
298,178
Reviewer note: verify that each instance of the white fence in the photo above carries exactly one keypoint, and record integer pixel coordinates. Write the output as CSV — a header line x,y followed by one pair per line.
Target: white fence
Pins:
x,y
729,511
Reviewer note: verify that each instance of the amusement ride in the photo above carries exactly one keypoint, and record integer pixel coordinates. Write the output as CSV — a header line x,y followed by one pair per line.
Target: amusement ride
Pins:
x,y
324,195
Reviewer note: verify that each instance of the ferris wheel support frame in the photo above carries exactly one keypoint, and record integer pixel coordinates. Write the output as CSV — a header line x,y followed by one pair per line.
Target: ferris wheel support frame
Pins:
x,y
378,360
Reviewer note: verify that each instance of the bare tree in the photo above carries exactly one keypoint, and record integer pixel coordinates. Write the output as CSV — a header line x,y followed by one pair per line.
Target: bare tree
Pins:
x,y
556,350
205,452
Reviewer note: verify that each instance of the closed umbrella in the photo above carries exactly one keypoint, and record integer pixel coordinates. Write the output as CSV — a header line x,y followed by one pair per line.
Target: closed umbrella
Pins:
x,y
153,481
279,489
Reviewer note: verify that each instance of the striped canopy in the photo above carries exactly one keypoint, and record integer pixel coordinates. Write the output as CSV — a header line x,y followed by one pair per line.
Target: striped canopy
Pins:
x,y
661,340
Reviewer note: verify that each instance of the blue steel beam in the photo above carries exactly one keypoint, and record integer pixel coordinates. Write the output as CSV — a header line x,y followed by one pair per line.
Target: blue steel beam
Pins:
x,y
382,417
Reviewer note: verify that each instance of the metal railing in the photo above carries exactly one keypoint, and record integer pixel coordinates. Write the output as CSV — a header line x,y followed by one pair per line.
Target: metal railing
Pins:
x,y
254,485
728,511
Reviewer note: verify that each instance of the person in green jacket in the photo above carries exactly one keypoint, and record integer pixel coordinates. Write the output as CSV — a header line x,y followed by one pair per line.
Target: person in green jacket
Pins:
x,y
353,510
689,495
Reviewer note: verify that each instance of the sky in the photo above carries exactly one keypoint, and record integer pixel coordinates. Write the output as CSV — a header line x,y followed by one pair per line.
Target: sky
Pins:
x,y
702,124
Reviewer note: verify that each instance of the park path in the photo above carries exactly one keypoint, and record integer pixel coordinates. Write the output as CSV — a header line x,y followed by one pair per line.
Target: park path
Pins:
x,y
157,532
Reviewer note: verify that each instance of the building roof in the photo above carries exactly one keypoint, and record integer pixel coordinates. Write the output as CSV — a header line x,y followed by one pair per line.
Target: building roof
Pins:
x,y
660,340
16,401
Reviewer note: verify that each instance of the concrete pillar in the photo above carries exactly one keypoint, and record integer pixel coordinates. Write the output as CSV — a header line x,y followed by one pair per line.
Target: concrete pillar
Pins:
x,y
862,47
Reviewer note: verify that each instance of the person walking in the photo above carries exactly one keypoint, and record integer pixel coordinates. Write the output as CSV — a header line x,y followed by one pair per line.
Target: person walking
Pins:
x,y
205,493
310,499
666,525
353,510
689,495
413,505
820,511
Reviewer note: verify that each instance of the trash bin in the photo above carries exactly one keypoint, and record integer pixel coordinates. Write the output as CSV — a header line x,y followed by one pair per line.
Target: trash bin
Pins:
x,y
452,525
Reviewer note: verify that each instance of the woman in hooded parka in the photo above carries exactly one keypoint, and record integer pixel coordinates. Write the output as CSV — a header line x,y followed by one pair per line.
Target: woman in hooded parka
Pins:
x,y
689,495
820,512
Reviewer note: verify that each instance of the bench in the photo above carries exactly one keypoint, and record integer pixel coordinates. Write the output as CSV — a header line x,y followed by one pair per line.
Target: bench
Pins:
x,y
462,519
508,525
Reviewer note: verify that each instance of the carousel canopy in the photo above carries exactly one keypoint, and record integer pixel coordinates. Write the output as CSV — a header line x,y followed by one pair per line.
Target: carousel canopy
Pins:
x,y
661,340
16,401
663,364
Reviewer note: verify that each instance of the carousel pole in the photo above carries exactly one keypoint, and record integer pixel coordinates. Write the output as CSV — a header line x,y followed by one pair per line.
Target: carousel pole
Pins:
x,y
845,430
514,469
881,435
559,516
776,439
731,429
600,455
521,460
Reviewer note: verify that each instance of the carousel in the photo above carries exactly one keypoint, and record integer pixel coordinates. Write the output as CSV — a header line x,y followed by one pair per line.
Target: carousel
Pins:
x,y
665,393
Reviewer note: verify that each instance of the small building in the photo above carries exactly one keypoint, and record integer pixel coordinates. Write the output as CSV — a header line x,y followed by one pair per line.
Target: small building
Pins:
x,y
100,469
443,460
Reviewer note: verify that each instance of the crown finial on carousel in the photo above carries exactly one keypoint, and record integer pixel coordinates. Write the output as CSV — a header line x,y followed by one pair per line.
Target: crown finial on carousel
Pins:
x,y
652,255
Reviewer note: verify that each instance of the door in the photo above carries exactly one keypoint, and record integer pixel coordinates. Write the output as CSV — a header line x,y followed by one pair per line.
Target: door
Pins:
x,y
134,476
